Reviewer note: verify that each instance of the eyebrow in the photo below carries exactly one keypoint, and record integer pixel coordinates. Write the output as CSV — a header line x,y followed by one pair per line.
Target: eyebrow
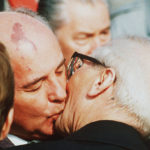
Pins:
x,y
86,57
107,28
89,33
36,80
84,33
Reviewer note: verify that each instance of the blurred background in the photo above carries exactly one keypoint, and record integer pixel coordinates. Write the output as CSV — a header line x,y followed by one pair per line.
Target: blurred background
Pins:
x,y
128,17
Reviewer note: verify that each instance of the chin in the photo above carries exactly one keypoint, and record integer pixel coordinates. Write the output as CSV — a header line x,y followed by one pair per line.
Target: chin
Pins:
x,y
52,134
43,134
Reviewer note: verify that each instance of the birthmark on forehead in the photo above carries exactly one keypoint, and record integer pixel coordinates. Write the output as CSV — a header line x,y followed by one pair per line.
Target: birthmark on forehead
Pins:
x,y
17,33
18,36
28,69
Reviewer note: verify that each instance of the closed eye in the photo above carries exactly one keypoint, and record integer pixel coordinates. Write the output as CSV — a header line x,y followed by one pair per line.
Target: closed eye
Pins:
x,y
61,68
105,31
34,87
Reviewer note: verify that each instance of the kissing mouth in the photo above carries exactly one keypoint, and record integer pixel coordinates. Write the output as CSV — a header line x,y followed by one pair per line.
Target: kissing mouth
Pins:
x,y
55,116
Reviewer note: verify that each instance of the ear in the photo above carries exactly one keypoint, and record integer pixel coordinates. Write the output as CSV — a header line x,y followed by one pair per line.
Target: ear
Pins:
x,y
102,82
7,124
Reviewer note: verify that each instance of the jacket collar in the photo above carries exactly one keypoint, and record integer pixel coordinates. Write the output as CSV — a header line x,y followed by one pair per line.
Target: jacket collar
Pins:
x,y
110,132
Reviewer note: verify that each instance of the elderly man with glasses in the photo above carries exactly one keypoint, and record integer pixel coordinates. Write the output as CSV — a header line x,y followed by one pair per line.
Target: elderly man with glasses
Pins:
x,y
108,100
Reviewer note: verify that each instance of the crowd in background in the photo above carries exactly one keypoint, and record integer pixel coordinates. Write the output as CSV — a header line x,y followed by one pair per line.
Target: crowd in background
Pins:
x,y
128,17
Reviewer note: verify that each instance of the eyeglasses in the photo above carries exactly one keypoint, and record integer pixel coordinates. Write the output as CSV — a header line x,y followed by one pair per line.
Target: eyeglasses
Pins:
x,y
77,62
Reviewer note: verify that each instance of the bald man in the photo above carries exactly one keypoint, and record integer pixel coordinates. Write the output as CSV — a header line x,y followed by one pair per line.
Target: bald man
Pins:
x,y
40,81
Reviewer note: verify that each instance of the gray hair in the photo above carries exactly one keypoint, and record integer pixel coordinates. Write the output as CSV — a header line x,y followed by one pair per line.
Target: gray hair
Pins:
x,y
130,58
55,11
30,13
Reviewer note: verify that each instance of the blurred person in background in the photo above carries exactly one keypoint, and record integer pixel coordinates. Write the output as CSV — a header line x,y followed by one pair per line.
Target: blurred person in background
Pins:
x,y
79,25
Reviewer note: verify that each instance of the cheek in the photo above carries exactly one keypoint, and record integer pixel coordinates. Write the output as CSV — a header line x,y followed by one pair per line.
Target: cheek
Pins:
x,y
65,121
84,49
105,40
83,46
63,80
30,103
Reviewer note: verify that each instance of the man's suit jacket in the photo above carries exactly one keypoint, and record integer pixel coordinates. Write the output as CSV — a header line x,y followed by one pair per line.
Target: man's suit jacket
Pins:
x,y
6,143
100,135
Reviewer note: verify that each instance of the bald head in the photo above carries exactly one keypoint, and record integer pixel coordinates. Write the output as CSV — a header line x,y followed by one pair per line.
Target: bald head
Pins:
x,y
33,50
22,33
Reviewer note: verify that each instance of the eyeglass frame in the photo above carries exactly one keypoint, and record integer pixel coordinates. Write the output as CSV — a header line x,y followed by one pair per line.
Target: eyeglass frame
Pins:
x,y
82,57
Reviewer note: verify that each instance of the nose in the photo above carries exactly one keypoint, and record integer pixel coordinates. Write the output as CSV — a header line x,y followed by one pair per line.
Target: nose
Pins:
x,y
97,42
57,91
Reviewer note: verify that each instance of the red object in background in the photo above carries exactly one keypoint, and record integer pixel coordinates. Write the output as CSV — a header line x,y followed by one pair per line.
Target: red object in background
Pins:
x,y
31,4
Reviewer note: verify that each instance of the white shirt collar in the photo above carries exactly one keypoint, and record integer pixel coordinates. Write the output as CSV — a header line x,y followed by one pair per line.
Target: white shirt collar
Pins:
x,y
16,140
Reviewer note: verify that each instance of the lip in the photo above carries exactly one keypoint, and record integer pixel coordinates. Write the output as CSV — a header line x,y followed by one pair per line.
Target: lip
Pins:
x,y
55,116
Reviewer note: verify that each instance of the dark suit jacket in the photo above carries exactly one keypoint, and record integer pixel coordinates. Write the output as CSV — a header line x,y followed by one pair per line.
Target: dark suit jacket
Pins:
x,y
6,143
100,135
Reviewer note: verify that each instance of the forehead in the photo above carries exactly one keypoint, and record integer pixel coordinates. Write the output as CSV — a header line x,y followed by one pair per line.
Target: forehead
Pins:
x,y
42,64
33,48
88,16
24,34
